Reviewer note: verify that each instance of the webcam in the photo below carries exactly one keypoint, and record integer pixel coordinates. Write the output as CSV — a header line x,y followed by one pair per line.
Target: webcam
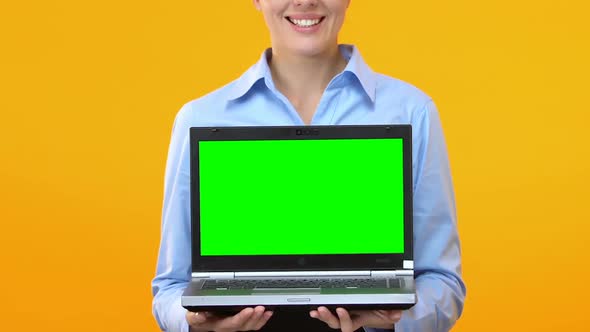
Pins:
x,y
307,132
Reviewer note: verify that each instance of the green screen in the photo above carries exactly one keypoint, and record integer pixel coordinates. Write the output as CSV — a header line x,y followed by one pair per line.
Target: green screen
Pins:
x,y
286,197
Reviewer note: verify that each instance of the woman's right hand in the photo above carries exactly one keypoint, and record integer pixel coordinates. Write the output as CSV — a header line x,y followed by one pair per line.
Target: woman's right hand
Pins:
x,y
246,320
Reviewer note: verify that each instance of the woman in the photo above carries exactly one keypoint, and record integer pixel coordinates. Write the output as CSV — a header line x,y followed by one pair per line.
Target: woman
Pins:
x,y
307,78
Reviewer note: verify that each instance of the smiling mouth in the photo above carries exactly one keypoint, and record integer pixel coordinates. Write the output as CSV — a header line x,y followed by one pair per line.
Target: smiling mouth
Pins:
x,y
305,23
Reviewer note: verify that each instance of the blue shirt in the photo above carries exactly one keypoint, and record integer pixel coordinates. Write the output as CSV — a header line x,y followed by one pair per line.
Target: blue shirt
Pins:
x,y
355,96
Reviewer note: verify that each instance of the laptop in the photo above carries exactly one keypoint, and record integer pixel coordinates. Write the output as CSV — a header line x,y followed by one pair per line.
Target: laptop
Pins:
x,y
300,217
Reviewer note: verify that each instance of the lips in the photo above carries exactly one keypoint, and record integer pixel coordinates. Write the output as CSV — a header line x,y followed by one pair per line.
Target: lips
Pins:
x,y
305,21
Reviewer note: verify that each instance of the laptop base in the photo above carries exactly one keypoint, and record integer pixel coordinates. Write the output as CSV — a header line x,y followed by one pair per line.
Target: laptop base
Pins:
x,y
232,310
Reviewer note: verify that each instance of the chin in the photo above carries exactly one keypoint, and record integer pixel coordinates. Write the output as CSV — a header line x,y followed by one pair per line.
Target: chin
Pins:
x,y
308,50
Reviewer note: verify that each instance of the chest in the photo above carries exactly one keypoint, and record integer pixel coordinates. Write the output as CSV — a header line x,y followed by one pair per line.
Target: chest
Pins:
x,y
306,108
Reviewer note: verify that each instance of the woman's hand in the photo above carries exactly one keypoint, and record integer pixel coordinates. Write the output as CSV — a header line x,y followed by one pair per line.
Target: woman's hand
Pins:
x,y
350,322
246,320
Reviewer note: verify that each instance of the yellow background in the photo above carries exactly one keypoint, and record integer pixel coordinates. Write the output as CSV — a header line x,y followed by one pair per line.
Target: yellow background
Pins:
x,y
89,91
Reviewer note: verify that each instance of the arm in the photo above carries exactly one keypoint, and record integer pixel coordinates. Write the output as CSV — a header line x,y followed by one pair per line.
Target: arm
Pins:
x,y
174,265
173,272
437,256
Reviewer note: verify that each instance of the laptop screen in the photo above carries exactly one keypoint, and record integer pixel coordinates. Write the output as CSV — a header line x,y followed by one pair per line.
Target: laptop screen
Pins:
x,y
301,197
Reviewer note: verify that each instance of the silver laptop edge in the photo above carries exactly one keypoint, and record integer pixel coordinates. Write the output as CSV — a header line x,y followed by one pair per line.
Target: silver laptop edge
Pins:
x,y
300,299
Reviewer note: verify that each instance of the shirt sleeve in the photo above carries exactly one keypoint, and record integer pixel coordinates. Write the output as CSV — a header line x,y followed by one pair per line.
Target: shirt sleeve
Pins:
x,y
173,269
437,255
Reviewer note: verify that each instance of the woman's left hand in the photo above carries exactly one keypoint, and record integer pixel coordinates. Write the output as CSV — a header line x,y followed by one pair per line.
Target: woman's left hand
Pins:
x,y
350,322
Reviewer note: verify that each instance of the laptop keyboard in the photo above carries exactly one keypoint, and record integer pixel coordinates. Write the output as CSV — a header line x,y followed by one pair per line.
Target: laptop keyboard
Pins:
x,y
300,283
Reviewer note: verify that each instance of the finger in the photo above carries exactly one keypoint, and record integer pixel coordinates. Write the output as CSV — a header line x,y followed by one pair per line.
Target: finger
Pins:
x,y
235,322
395,315
392,315
346,324
327,317
376,318
196,318
262,321
253,320
313,314
369,318
382,314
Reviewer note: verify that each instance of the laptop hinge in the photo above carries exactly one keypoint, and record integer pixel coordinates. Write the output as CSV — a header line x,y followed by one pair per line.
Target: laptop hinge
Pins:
x,y
391,273
213,275
291,274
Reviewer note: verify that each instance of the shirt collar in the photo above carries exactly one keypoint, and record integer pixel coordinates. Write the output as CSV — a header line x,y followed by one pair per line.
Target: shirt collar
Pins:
x,y
259,71
356,66
359,68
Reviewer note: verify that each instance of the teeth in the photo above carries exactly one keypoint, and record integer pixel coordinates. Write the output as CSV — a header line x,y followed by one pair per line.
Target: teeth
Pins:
x,y
305,23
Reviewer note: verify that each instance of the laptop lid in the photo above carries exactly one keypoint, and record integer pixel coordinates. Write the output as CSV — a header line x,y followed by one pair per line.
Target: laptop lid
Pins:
x,y
301,198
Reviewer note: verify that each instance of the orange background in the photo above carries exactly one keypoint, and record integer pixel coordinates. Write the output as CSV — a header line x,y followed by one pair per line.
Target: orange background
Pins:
x,y
89,91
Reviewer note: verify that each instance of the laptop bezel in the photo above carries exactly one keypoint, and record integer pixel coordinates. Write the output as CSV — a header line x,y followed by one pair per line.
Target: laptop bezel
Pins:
x,y
334,262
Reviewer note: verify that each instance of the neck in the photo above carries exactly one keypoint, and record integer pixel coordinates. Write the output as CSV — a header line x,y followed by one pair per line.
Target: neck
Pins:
x,y
298,77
